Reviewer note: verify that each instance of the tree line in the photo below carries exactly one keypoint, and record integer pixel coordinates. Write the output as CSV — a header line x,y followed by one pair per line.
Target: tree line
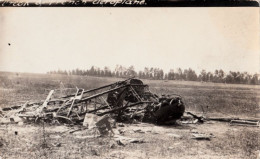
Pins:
x,y
218,76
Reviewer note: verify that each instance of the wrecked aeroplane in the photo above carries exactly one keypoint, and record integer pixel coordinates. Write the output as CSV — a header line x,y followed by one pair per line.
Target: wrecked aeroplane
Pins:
x,y
128,100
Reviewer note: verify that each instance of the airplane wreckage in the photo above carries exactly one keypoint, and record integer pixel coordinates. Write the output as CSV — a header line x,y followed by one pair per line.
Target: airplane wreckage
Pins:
x,y
128,101
125,101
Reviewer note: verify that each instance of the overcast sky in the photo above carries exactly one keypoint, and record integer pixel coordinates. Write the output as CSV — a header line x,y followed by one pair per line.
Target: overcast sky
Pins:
x,y
44,39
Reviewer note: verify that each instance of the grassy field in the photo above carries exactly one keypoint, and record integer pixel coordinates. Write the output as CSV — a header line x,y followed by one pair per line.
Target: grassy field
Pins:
x,y
230,99
215,99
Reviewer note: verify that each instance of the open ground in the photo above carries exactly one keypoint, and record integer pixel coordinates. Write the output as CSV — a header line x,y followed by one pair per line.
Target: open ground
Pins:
x,y
175,141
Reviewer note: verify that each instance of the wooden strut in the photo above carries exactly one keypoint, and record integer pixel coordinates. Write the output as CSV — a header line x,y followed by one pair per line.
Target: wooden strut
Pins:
x,y
95,89
108,91
244,122
135,94
138,98
106,102
77,97
44,105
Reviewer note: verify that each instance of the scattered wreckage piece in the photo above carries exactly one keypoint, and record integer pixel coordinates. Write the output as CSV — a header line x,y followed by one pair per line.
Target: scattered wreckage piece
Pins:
x,y
200,119
223,119
245,123
238,121
254,122
202,136
128,100
122,140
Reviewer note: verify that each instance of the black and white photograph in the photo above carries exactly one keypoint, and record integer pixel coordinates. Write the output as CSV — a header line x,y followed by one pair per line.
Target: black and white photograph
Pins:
x,y
129,79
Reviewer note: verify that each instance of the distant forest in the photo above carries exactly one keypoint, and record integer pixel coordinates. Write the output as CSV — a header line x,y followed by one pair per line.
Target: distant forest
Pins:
x,y
218,76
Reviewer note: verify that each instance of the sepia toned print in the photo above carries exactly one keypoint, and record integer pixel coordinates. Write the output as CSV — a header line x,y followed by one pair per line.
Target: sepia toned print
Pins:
x,y
106,80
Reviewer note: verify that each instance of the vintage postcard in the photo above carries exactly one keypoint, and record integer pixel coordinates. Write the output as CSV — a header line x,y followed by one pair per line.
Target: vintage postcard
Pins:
x,y
129,79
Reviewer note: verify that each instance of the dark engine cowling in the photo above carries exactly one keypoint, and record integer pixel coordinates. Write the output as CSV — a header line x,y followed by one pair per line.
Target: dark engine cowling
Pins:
x,y
169,109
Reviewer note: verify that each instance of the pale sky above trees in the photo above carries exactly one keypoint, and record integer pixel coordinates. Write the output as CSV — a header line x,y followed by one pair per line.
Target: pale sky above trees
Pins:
x,y
44,39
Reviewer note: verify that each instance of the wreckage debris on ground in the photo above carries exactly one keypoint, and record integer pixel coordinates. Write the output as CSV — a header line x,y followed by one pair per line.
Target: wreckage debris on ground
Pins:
x,y
191,118
129,100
